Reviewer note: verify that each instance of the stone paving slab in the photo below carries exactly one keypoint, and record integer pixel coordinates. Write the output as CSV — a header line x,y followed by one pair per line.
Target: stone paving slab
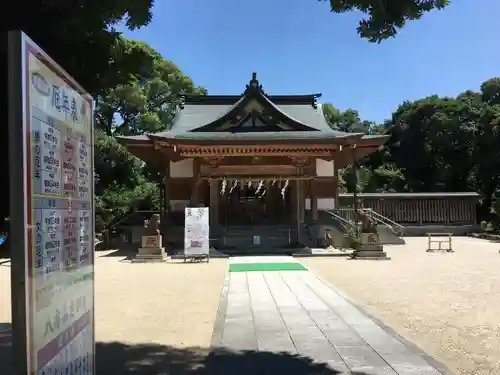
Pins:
x,y
264,259
294,316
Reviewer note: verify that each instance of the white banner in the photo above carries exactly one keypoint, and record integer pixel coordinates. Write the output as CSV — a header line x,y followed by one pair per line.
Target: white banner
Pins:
x,y
196,231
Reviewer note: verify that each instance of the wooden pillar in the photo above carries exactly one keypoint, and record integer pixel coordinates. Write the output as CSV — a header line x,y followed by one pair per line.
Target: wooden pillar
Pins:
x,y
293,201
165,220
314,201
195,193
336,187
302,201
298,194
167,189
214,206
473,207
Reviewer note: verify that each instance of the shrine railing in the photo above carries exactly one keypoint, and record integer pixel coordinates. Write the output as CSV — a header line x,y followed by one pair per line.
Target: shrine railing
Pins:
x,y
349,215
398,229
344,222
410,209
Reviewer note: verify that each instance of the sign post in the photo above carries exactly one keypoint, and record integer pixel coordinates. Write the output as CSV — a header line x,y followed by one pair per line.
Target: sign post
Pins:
x,y
52,214
196,233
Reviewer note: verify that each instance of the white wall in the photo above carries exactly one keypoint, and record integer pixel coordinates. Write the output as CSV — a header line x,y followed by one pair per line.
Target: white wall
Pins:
x,y
183,168
325,168
323,203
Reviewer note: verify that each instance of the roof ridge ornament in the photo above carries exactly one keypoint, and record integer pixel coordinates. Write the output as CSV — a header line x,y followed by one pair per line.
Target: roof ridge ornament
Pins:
x,y
315,101
254,85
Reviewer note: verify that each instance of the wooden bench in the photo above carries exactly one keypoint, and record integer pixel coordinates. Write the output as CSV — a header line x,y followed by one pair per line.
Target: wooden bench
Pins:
x,y
439,239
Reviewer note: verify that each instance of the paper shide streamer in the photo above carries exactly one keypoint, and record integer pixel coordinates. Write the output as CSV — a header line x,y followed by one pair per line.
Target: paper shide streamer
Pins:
x,y
261,187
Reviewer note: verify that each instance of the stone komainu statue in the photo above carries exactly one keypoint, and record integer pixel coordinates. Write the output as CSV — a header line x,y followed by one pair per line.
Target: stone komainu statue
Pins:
x,y
368,225
152,226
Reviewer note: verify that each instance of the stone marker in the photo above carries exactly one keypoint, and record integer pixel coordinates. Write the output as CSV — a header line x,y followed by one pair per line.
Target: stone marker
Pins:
x,y
370,248
151,249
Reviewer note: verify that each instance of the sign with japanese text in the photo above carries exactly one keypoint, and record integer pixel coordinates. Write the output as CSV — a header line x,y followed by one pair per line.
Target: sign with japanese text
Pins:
x,y
151,242
196,231
370,239
57,160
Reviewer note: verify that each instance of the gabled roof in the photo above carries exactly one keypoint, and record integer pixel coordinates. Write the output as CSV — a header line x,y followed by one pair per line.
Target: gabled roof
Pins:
x,y
199,114
205,113
212,117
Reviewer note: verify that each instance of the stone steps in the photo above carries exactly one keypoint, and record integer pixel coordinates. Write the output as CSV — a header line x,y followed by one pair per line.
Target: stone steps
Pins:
x,y
258,250
268,237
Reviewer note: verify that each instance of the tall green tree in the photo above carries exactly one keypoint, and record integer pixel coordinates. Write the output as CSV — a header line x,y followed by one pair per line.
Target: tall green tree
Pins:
x,y
486,173
449,144
80,36
122,186
147,102
347,121
385,17
430,142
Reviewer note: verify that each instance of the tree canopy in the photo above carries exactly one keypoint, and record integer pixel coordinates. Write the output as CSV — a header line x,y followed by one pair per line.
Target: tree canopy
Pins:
x,y
436,144
82,38
385,17
145,103
135,88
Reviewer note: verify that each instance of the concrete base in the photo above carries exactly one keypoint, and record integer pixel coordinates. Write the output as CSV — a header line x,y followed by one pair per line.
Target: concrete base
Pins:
x,y
150,254
456,230
370,252
321,252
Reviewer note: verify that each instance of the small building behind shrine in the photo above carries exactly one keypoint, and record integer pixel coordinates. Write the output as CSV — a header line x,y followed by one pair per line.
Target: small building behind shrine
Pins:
x,y
254,159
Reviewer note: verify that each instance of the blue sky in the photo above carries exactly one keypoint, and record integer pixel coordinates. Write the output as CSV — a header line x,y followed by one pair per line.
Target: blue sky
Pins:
x,y
299,47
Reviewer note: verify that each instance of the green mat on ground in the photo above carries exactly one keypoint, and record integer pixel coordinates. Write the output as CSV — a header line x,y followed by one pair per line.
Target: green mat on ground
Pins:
x,y
249,267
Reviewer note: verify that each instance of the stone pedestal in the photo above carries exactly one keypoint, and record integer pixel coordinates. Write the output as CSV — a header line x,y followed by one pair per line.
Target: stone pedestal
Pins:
x,y
370,248
151,250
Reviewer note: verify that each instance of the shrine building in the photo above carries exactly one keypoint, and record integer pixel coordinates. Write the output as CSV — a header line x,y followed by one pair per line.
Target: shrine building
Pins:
x,y
254,159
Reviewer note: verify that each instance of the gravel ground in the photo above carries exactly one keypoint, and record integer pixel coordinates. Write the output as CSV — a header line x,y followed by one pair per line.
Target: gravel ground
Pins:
x,y
5,313
149,317
448,304
172,303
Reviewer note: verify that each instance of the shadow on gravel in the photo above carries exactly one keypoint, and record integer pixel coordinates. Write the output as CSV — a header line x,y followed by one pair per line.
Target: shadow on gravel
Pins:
x,y
149,359
6,348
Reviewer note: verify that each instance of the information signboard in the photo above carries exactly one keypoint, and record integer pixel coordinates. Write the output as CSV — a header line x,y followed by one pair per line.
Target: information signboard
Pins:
x,y
196,231
52,214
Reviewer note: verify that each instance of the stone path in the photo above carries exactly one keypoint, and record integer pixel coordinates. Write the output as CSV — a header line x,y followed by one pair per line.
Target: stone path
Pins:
x,y
292,315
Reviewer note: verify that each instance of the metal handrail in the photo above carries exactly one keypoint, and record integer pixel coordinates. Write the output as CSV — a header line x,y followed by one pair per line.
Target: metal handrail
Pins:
x,y
381,222
374,215
339,237
385,219
342,220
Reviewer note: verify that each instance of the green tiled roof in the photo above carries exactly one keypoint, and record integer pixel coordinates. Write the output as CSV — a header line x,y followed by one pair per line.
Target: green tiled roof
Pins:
x,y
254,136
200,113
194,116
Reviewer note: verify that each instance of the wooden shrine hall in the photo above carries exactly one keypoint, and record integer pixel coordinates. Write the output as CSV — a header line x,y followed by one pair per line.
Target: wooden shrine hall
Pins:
x,y
253,159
